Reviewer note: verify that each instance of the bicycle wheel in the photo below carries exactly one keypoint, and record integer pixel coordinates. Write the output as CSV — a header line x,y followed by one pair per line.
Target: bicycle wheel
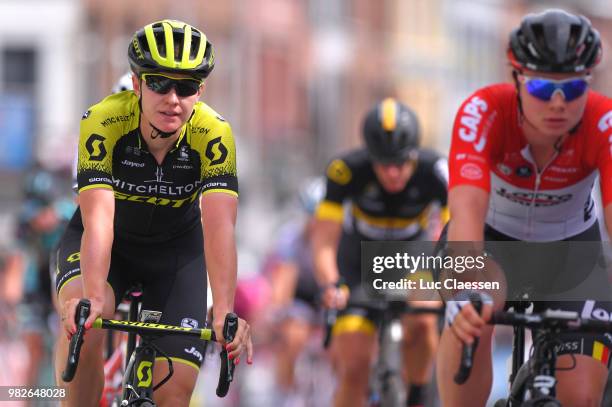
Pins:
x,y
393,391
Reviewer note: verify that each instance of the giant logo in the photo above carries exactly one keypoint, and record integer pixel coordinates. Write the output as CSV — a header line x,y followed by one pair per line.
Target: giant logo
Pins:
x,y
95,147
216,155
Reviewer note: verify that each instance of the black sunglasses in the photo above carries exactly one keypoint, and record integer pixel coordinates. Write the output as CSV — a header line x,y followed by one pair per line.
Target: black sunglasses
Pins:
x,y
162,84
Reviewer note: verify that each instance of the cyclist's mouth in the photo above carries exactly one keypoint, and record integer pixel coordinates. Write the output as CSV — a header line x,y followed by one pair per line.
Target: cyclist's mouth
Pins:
x,y
555,122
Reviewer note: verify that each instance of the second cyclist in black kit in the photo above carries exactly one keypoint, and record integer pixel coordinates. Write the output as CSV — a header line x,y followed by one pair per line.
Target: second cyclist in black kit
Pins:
x,y
382,192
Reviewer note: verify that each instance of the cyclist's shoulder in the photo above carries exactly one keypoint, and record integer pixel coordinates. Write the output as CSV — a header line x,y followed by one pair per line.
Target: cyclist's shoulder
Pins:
x,y
498,94
355,159
125,102
597,114
429,156
350,167
432,165
112,116
208,122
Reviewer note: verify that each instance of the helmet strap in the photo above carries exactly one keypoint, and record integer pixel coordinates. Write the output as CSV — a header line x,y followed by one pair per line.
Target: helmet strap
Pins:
x,y
155,132
515,75
523,118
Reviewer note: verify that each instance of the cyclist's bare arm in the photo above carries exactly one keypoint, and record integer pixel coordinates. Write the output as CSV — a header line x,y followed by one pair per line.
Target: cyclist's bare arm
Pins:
x,y
284,279
98,211
608,218
325,238
468,207
218,221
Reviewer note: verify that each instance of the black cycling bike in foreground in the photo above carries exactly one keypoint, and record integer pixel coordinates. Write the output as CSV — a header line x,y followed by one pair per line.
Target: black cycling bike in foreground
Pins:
x,y
138,378
532,384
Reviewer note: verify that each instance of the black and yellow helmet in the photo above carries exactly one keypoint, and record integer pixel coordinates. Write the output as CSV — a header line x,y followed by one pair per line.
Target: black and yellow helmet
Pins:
x,y
391,132
171,46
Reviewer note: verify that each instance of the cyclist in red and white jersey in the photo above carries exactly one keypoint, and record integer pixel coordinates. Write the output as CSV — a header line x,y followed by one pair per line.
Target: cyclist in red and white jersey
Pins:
x,y
524,157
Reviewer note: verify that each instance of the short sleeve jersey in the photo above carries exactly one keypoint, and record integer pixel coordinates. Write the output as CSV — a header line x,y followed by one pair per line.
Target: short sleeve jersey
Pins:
x,y
154,201
374,213
489,151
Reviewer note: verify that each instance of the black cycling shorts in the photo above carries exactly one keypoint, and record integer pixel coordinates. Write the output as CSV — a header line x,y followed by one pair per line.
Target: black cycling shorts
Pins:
x,y
363,313
173,277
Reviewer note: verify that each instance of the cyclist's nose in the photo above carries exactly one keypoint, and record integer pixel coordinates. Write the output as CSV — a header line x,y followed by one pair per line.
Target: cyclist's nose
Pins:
x,y
171,96
392,170
558,99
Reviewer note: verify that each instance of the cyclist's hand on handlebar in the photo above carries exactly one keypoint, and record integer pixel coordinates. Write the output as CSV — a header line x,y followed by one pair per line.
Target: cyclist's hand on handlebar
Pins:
x,y
242,340
464,321
335,297
69,310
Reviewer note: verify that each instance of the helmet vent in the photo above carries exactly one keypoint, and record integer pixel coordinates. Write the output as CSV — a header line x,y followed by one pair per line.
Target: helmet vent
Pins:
x,y
195,45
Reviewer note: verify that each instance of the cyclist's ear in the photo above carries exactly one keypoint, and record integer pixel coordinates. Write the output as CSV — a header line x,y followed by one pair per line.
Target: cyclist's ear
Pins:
x,y
136,84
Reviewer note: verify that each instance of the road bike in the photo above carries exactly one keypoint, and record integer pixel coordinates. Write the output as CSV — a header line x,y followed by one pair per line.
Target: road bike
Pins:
x,y
137,386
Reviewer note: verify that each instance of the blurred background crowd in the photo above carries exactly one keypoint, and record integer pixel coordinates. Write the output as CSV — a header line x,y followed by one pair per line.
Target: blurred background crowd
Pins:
x,y
293,77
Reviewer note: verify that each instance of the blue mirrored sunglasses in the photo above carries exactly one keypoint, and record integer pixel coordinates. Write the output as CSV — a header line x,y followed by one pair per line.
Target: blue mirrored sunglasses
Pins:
x,y
544,88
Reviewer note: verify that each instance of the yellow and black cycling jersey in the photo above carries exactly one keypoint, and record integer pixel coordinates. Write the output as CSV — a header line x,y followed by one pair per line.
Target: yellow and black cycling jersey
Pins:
x,y
373,213
154,201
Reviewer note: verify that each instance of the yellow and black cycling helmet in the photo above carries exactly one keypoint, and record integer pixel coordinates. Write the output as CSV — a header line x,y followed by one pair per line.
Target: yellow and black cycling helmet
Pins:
x,y
391,132
171,46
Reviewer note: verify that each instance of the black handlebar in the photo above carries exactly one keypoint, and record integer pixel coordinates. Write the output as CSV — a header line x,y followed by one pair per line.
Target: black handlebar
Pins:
x,y
467,353
330,316
82,313
551,320
74,349
226,375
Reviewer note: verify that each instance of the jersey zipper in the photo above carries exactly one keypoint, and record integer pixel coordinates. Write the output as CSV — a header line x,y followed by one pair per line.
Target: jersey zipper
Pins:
x,y
536,189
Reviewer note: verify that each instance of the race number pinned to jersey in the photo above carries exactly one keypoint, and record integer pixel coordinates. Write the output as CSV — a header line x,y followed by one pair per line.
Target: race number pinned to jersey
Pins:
x,y
339,172
95,147
216,152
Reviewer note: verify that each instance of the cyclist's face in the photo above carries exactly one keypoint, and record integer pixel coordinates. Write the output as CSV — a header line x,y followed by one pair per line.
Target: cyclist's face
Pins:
x,y
394,177
556,116
169,111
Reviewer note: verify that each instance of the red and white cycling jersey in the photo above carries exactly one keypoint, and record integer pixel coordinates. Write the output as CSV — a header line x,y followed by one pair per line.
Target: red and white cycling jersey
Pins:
x,y
489,150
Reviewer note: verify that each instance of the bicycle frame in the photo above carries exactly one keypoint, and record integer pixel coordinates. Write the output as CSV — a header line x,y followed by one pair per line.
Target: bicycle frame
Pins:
x,y
536,377
118,355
